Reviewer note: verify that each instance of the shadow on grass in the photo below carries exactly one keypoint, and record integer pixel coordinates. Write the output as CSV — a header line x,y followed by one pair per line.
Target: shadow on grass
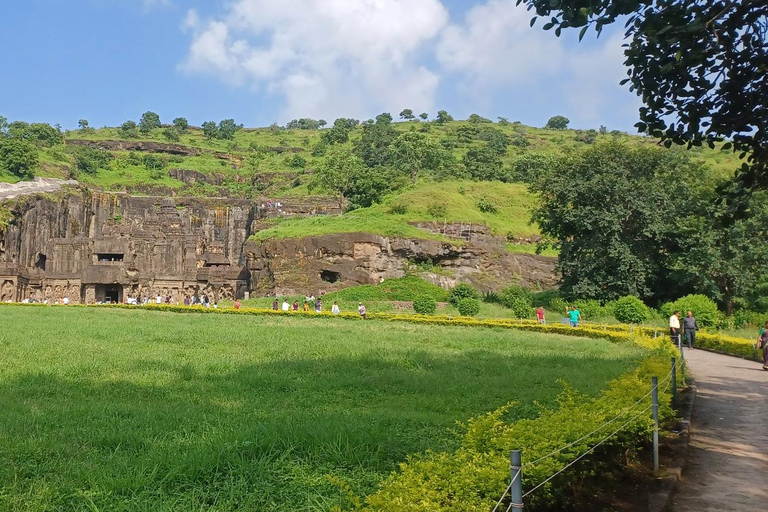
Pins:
x,y
260,436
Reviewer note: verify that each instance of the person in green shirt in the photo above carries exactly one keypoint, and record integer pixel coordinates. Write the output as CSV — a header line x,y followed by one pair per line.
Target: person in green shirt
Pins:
x,y
762,342
574,315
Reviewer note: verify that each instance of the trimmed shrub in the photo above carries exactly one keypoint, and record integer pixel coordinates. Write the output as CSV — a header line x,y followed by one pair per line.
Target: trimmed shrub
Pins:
x,y
704,309
630,310
469,307
491,298
425,305
462,291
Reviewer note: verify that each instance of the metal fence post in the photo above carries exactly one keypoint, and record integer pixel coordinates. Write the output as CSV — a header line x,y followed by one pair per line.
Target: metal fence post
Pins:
x,y
655,409
674,381
516,472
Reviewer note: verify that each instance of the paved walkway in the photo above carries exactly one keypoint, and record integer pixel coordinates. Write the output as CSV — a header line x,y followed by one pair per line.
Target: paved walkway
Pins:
x,y
727,467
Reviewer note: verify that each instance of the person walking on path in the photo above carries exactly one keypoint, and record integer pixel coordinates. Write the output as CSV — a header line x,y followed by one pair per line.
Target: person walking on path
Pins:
x,y
574,315
540,315
674,327
690,326
274,305
237,304
361,310
335,308
762,343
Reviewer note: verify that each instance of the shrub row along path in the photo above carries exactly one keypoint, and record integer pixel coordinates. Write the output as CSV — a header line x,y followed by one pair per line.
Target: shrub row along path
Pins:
x,y
727,466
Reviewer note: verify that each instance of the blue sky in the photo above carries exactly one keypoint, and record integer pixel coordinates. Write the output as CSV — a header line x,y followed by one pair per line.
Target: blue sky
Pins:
x,y
264,61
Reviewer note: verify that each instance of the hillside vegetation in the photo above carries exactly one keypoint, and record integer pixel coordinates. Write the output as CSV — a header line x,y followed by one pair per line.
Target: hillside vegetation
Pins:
x,y
392,174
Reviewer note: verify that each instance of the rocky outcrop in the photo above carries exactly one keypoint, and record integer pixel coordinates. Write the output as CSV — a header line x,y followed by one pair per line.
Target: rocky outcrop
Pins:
x,y
331,262
167,148
38,185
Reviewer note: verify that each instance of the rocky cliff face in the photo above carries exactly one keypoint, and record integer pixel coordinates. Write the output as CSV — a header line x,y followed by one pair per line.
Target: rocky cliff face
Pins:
x,y
331,262
95,246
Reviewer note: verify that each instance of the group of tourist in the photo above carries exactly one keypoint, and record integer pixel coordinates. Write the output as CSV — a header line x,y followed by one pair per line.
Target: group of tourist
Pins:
x,y
317,306
687,329
572,316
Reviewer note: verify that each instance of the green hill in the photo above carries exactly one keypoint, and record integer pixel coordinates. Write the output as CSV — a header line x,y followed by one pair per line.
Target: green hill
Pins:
x,y
279,162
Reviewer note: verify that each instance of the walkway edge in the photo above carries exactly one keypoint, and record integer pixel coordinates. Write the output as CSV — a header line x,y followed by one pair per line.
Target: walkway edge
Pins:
x,y
659,501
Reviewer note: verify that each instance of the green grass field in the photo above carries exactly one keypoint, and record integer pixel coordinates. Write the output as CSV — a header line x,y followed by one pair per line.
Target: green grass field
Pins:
x,y
105,409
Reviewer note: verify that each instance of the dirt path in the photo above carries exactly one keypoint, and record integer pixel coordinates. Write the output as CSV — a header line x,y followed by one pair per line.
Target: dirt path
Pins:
x,y
728,465
11,190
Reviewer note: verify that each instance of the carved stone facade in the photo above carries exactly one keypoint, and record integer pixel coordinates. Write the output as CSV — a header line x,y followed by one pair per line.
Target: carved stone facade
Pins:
x,y
105,247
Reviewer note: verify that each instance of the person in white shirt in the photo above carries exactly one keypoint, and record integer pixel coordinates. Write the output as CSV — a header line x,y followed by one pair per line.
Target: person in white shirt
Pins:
x,y
65,301
158,299
361,310
335,308
674,327
286,306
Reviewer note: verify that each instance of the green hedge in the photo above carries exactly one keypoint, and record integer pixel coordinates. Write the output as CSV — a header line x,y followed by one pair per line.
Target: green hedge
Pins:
x,y
474,476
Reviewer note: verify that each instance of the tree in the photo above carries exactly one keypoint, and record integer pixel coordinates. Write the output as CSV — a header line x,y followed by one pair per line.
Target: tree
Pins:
x,y
557,123
337,173
171,133
181,124
83,125
44,134
483,163
129,130
148,122
529,167
613,210
503,121
443,117
3,125
424,116
698,65
412,152
722,259
373,144
18,157
228,128
90,160
321,123
478,119
407,114
496,139
210,130
339,132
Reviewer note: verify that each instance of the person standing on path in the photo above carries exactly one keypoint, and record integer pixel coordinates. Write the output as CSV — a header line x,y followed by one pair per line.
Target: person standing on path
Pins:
x,y
540,315
674,327
690,326
361,310
762,342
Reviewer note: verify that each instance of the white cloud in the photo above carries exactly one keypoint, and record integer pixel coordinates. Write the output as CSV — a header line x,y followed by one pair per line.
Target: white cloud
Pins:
x,y
496,47
325,58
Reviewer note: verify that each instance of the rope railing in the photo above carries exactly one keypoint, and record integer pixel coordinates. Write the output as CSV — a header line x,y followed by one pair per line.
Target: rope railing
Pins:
x,y
667,379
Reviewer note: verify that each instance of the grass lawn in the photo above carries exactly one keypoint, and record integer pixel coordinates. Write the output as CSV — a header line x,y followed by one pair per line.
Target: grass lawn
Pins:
x,y
137,410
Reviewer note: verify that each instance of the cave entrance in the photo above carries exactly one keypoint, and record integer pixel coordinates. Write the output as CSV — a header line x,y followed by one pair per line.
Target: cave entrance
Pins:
x,y
40,262
109,293
329,276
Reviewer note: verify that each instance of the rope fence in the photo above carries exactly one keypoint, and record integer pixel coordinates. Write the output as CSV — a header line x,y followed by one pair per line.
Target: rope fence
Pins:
x,y
516,477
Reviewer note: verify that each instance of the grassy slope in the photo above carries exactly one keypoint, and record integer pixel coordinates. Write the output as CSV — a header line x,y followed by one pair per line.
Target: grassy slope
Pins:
x,y
459,198
138,410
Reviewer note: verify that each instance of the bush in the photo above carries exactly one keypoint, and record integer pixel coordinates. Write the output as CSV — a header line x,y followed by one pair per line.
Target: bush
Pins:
x,y
521,307
491,298
90,160
486,206
425,305
590,309
398,209
704,309
512,294
462,291
437,210
630,310
469,307
545,298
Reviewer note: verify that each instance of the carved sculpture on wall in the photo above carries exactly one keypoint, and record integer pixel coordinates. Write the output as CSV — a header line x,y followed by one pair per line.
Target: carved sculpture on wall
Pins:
x,y
7,291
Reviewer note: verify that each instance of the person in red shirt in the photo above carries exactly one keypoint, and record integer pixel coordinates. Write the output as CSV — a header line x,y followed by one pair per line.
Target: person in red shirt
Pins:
x,y
237,304
540,315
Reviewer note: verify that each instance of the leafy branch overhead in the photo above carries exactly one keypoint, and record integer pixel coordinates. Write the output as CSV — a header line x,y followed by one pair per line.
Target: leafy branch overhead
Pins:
x,y
698,65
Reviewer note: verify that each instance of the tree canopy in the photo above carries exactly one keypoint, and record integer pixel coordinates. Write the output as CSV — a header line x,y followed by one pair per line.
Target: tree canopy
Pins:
x,y
18,157
148,122
698,65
